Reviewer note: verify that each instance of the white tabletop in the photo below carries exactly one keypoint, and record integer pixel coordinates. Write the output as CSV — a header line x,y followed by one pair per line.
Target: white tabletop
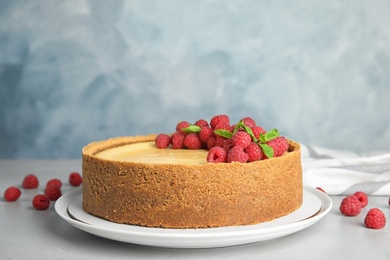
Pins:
x,y
30,234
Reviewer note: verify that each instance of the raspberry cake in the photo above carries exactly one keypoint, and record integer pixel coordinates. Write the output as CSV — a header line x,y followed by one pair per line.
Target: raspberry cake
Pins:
x,y
129,180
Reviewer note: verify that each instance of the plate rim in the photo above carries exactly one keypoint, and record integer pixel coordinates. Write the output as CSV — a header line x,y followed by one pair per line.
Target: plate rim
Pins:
x,y
62,204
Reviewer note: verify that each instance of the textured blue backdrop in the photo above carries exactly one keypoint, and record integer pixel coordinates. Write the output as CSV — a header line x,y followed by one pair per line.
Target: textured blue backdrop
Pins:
x,y
72,72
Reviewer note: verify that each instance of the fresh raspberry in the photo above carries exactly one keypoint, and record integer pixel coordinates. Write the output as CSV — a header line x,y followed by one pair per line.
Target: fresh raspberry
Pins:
x,y
57,182
30,182
53,192
192,141
233,127
40,202
162,141
249,122
222,125
237,154
254,152
279,144
219,119
375,219
242,139
321,189
350,206
227,145
178,140
182,124
201,123
211,143
362,198
219,140
205,133
12,193
257,130
216,155
75,179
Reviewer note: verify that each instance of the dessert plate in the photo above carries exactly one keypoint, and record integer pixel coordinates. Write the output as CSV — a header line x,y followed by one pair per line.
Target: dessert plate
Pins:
x,y
315,206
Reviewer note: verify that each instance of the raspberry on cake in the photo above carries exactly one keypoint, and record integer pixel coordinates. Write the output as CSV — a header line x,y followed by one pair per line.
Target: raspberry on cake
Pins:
x,y
192,141
162,141
219,119
254,152
216,155
242,139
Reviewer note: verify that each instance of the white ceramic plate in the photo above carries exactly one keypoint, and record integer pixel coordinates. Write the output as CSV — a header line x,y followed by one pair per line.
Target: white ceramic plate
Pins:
x,y
315,206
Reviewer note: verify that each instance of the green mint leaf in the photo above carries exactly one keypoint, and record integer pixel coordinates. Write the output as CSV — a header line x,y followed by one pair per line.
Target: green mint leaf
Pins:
x,y
224,133
191,129
241,125
270,135
262,138
267,150
238,126
249,131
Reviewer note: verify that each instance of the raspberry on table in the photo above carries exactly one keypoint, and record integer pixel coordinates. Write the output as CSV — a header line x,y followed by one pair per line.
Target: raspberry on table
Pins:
x,y
12,194
219,119
162,141
242,139
57,182
30,182
40,202
192,141
254,152
279,144
237,154
177,140
350,206
362,198
375,219
216,155
75,179
180,125
53,192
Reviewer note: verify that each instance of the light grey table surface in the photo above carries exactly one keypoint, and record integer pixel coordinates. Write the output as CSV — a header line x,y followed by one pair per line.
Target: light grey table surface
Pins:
x,y
30,234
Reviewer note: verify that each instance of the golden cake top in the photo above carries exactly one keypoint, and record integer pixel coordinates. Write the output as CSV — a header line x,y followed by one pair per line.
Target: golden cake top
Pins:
x,y
147,152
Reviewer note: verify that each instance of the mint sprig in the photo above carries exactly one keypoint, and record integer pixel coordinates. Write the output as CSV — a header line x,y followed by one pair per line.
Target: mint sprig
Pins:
x,y
262,141
268,136
191,129
224,133
267,150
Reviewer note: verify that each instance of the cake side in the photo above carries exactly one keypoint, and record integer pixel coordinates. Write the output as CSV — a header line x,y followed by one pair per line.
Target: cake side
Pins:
x,y
190,196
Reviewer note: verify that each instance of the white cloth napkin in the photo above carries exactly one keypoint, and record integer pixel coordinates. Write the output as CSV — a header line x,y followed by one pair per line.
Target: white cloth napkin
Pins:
x,y
344,172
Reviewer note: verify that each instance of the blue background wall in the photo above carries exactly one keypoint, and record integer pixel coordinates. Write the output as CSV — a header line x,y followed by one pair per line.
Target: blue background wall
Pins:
x,y
72,72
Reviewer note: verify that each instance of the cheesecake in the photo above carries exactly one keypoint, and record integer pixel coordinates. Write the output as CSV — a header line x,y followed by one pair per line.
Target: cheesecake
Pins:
x,y
129,180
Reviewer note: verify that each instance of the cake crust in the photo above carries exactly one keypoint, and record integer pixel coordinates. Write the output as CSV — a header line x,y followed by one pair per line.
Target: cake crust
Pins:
x,y
189,196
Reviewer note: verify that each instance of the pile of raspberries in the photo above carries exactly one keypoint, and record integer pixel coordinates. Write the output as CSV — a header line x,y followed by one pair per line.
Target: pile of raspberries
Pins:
x,y
242,142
